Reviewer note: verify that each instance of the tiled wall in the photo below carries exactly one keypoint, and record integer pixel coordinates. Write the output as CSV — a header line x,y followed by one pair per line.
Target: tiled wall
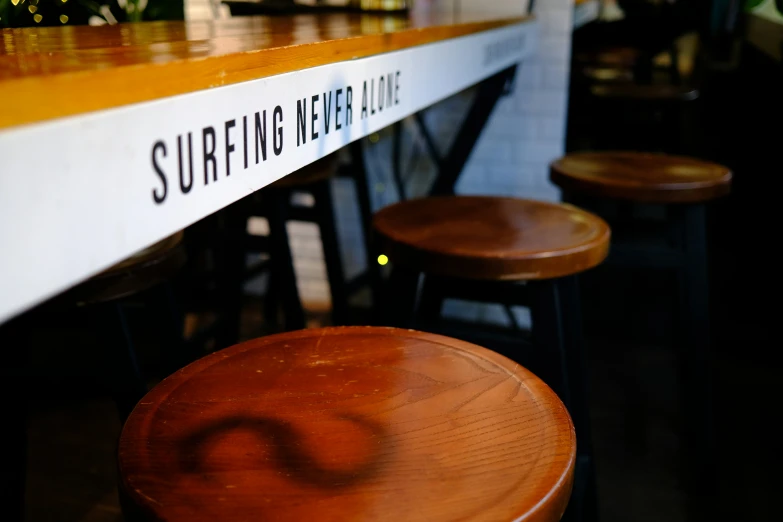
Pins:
x,y
526,131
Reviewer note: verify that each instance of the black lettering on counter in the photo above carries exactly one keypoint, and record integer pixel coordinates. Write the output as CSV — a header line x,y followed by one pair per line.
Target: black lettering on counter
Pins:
x,y
301,116
159,198
229,146
348,109
185,187
337,109
372,96
389,89
314,118
278,131
260,140
327,111
381,92
244,138
397,88
209,153
364,100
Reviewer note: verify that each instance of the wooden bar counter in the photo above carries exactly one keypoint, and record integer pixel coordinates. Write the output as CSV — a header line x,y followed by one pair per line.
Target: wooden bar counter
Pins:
x,y
114,137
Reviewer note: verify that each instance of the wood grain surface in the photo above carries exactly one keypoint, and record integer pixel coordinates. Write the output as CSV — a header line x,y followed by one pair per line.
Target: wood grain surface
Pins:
x,y
344,424
484,237
49,72
642,177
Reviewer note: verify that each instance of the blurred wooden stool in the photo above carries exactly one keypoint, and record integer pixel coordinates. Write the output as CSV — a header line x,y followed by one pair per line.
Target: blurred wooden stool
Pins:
x,y
353,423
654,118
605,65
615,185
625,57
490,249
103,298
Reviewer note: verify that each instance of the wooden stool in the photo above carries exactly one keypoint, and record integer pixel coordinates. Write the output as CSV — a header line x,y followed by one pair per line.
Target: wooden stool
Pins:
x,y
642,117
641,177
101,299
645,93
605,65
104,297
626,57
614,184
141,271
353,423
463,244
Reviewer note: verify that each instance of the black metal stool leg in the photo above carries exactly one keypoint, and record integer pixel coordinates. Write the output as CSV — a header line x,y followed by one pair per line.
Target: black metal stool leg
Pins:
x,y
578,373
557,334
359,175
231,268
324,208
177,354
694,343
431,302
282,260
398,300
271,300
123,374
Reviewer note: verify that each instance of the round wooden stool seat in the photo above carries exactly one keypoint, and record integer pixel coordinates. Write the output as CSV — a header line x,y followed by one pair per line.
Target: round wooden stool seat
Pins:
x,y
644,93
641,177
610,56
353,423
137,273
607,74
495,238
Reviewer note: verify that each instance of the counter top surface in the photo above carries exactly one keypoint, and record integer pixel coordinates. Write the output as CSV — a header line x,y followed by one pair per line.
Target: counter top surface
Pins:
x,y
48,71
114,137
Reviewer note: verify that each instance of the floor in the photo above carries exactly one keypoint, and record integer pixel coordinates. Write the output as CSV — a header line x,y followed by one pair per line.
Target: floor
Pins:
x,y
73,432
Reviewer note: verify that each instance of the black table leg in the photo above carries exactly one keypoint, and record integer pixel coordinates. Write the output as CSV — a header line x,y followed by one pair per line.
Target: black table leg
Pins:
x,y
451,166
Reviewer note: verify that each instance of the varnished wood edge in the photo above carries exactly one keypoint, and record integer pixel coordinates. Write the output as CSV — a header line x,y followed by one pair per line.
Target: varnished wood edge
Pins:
x,y
556,499
693,192
488,269
436,263
40,98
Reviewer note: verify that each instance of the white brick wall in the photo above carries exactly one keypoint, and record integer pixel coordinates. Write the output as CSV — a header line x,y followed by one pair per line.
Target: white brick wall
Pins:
x,y
526,132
